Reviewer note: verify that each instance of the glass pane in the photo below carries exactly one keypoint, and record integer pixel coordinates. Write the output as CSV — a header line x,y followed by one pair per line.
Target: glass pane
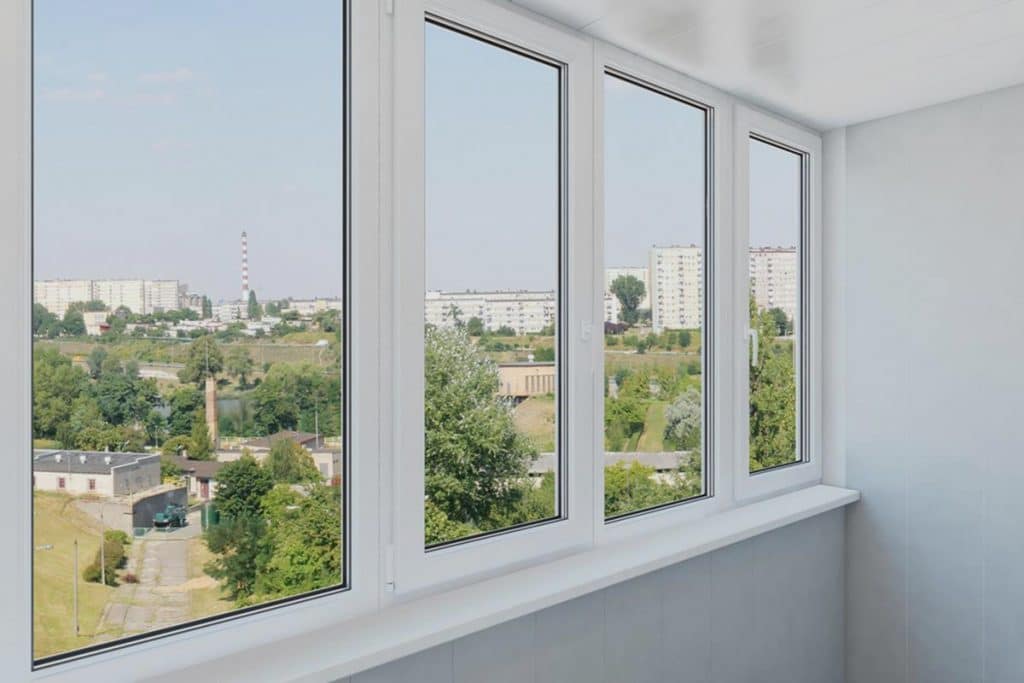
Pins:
x,y
776,220
655,218
493,221
187,318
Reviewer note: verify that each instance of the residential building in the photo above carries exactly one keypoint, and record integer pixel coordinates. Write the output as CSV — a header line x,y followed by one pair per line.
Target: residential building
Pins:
x,y
677,294
526,312
774,278
57,295
138,296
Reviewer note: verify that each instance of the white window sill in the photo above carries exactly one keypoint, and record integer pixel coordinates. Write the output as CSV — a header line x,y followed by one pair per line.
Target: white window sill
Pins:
x,y
363,643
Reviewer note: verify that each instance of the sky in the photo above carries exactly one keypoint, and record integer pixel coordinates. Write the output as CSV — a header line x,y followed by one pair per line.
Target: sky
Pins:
x,y
163,130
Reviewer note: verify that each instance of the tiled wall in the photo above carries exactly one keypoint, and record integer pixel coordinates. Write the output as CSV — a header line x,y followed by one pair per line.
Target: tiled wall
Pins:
x,y
934,360
768,610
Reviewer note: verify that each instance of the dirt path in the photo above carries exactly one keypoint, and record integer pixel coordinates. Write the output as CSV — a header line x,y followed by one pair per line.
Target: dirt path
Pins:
x,y
161,596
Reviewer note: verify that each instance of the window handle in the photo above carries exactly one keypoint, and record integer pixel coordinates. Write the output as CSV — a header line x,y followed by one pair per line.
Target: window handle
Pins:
x,y
753,347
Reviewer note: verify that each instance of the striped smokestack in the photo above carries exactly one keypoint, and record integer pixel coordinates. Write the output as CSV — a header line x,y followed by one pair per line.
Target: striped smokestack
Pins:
x,y
245,267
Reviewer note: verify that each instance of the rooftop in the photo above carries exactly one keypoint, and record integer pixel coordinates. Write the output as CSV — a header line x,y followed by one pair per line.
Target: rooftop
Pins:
x,y
84,462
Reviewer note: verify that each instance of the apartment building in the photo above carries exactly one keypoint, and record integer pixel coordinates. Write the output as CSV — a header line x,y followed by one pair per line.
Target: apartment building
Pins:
x,y
138,296
523,311
677,296
774,278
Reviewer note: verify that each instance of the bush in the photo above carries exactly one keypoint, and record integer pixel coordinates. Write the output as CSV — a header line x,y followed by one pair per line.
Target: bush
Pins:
x,y
117,536
113,560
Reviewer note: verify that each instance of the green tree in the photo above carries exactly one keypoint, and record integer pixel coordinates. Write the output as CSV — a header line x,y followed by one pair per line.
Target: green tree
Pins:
x,y
204,360
630,292
240,544
74,323
684,338
95,361
241,486
255,311
57,385
475,327
44,323
772,395
207,308
202,445
628,488
438,528
184,401
298,397
475,457
239,364
290,463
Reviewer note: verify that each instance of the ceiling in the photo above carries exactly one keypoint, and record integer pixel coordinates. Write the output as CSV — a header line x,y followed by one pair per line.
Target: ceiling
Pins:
x,y
826,63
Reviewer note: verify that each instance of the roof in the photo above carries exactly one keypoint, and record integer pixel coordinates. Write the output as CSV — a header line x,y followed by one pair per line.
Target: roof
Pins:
x,y
301,438
85,462
202,469
661,462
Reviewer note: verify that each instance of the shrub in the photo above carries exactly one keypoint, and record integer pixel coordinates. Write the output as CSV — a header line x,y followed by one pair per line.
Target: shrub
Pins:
x,y
117,536
113,559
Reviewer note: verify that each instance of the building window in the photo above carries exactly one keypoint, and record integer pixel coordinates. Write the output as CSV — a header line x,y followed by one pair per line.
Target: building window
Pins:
x,y
656,148
494,221
778,214
220,161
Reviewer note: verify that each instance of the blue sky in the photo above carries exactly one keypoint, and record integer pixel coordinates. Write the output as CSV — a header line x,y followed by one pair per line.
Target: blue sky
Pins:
x,y
162,130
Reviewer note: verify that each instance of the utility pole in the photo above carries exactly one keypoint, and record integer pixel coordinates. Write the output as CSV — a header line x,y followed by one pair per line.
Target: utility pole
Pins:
x,y
74,583
103,549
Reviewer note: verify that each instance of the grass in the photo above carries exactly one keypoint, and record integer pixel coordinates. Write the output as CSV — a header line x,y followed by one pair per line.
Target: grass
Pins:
x,y
57,523
652,440
535,417
205,594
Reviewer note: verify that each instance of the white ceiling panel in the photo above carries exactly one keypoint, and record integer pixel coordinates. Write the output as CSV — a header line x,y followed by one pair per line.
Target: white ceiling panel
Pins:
x,y
824,62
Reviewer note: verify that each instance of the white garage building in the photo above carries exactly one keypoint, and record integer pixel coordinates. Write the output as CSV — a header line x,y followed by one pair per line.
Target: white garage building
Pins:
x,y
100,474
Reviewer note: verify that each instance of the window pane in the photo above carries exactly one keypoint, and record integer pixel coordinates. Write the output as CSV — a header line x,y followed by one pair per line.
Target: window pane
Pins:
x,y
655,223
187,318
776,220
493,224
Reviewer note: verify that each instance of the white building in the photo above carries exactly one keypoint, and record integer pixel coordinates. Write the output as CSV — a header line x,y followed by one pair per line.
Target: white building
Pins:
x,y
525,312
231,311
774,273
95,322
57,295
99,474
677,294
138,296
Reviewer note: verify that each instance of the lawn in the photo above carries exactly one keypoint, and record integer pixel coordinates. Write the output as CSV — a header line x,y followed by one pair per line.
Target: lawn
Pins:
x,y
204,593
57,523
652,440
535,417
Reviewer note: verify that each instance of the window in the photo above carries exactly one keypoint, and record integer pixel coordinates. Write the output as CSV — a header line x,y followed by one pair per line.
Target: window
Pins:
x,y
656,248
778,185
189,313
776,228
494,223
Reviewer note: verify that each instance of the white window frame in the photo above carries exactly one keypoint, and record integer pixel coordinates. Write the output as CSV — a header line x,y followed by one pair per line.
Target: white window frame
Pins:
x,y
259,627
807,470
717,300
417,568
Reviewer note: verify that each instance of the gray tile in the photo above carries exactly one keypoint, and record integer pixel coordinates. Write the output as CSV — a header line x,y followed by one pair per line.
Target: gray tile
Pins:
x,y
944,569
686,610
500,654
430,666
633,631
876,572
569,641
733,595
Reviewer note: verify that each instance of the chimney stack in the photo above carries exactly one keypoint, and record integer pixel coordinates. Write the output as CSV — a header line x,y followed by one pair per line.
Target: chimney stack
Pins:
x,y
211,411
245,268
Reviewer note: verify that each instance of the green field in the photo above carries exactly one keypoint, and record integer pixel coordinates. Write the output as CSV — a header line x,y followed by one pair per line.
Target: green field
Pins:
x,y
535,417
57,523
652,440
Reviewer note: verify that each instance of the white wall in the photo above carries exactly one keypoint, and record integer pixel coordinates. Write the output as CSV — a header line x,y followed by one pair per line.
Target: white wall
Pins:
x,y
931,426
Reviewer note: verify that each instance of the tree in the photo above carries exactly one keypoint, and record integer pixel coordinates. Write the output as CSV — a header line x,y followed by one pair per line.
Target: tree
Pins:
x,y
240,544
57,385
684,338
475,457
74,323
204,360
240,487
44,323
207,308
202,445
254,309
505,331
772,395
183,402
290,463
239,364
684,419
298,397
475,327
630,292
95,361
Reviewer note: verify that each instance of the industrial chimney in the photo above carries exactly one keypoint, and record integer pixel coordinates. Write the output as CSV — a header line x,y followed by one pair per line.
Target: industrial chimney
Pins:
x,y
245,268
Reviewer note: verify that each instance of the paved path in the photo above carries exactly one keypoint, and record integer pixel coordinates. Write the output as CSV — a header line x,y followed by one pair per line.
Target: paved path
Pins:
x,y
161,597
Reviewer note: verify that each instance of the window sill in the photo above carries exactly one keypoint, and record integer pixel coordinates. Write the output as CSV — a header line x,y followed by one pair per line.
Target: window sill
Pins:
x,y
397,631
